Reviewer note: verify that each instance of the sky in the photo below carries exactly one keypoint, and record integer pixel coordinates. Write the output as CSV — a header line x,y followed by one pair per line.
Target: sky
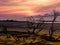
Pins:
x,y
28,7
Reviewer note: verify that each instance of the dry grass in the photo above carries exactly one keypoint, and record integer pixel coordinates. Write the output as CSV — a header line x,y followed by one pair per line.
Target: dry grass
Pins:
x,y
12,41
34,39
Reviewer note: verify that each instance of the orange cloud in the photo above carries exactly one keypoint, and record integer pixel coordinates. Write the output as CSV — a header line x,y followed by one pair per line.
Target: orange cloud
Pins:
x,y
27,7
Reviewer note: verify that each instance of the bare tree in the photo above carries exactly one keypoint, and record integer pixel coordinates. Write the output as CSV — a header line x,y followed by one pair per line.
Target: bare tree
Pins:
x,y
51,31
34,24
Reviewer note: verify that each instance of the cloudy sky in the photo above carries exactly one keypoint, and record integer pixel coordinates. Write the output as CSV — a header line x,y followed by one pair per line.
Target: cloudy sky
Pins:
x,y
28,7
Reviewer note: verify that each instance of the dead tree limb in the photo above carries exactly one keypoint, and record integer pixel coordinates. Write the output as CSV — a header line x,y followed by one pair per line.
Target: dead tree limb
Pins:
x,y
51,31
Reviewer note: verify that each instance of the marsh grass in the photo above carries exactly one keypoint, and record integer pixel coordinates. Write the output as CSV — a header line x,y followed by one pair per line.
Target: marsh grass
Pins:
x,y
31,40
34,40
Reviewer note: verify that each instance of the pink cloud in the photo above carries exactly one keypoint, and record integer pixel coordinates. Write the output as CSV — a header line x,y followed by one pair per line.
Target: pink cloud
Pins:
x,y
28,7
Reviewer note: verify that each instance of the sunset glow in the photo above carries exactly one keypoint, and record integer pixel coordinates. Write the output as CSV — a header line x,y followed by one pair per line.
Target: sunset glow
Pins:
x,y
29,22
28,7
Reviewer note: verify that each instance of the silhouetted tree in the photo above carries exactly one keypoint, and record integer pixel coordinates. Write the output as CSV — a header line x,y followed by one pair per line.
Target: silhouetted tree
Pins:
x,y
32,23
51,31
